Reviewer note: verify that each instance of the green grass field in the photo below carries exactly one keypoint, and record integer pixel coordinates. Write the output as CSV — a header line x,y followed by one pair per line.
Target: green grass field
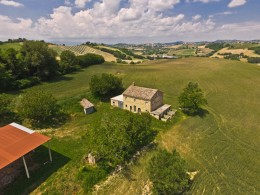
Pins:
x,y
222,146
182,52
16,46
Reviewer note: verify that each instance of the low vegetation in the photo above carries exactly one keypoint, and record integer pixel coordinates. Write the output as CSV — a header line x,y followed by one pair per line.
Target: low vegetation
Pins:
x,y
168,173
215,145
192,98
36,62
105,86
38,106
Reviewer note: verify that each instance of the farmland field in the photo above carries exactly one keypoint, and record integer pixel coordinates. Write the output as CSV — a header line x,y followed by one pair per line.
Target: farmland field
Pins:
x,y
82,50
223,146
245,51
182,52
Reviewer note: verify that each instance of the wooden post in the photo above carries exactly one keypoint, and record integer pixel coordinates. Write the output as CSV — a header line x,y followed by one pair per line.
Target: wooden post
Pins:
x,y
26,169
49,151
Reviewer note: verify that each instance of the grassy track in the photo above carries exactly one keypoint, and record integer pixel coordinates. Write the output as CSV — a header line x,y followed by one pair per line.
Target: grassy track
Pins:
x,y
223,146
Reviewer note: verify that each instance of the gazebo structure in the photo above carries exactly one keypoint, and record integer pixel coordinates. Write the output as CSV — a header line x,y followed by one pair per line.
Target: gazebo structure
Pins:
x,y
16,141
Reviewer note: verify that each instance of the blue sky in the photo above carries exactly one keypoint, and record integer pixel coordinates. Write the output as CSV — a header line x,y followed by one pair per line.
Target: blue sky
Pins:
x,y
130,21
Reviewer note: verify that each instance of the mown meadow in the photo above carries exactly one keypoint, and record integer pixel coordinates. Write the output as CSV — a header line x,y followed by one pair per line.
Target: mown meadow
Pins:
x,y
222,145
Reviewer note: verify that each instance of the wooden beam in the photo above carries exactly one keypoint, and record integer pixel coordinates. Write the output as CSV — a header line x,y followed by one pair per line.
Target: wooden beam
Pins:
x,y
50,151
26,169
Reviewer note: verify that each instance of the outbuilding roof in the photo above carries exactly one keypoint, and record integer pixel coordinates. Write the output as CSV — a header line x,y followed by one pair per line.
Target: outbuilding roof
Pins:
x,y
140,92
118,98
16,141
86,104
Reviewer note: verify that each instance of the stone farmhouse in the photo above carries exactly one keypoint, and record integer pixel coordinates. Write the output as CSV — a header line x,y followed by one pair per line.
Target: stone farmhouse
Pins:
x,y
140,99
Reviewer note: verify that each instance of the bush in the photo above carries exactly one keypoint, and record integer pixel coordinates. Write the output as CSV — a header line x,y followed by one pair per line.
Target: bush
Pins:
x,y
68,62
4,102
115,53
90,177
24,83
118,136
90,59
105,86
38,106
254,60
168,173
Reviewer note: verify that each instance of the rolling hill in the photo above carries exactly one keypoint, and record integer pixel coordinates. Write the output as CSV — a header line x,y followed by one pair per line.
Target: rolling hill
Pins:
x,y
222,146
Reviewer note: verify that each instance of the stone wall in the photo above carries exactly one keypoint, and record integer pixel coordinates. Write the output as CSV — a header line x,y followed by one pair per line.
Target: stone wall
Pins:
x,y
136,105
157,101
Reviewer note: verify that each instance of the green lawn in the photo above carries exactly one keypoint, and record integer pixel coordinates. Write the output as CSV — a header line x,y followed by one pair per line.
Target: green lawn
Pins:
x,y
223,146
16,46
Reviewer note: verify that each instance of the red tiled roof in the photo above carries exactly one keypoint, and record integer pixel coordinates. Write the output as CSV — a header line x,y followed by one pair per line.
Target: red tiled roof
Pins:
x,y
16,141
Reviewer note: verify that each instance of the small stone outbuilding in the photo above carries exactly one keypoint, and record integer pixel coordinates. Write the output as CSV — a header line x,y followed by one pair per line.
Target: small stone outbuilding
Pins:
x,y
87,106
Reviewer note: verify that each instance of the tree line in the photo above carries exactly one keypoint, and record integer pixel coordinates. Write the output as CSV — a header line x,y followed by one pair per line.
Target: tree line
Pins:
x,y
36,62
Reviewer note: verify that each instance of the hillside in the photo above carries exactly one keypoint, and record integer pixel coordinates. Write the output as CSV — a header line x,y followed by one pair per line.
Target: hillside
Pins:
x,y
222,145
245,51
83,49
15,46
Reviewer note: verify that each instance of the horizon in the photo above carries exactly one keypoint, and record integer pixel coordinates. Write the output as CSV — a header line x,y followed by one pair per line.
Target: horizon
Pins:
x,y
130,21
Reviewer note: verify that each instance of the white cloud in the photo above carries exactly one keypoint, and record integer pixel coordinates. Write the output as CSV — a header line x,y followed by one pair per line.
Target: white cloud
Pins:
x,y
196,17
11,3
159,5
106,20
222,14
236,3
67,3
80,3
205,1
21,28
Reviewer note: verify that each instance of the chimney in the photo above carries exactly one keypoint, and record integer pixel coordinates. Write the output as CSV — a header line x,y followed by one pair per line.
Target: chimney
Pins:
x,y
133,84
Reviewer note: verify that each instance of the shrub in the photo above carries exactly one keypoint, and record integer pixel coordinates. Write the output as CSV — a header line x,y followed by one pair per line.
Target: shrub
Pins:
x,y
168,173
90,59
105,86
38,106
90,177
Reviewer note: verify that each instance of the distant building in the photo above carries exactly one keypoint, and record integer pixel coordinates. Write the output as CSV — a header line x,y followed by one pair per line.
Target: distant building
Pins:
x,y
140,99
87,106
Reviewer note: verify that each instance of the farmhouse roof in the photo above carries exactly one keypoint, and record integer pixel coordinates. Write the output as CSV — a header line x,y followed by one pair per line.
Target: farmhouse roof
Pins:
x,y
86,104
118,98
140,92
16,141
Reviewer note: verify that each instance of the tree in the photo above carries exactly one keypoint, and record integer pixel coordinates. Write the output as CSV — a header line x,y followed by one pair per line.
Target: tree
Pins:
x,y
4,102
68,62
168,173
39,60
118,136
192,98
105,86
90,59
38,106
6,78
110,142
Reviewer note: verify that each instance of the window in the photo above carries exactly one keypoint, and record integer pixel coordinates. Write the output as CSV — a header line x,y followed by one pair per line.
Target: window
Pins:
x,y
126,106
134,108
